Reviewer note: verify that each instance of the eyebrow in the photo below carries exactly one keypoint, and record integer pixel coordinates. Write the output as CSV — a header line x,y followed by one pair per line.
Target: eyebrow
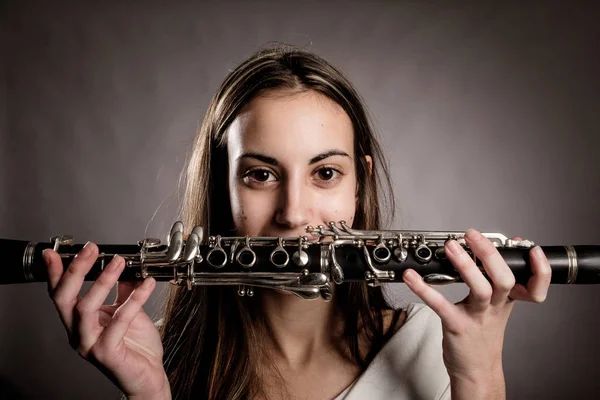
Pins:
x,y
328,154
274,162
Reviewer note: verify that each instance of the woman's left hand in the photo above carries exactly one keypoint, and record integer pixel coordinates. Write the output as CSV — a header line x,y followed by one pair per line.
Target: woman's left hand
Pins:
x,y
473,329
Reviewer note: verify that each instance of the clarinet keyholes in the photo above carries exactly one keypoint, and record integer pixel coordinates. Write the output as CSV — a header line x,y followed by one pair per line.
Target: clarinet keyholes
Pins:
x,y
217,257
381,253
423,253
246,256
279,257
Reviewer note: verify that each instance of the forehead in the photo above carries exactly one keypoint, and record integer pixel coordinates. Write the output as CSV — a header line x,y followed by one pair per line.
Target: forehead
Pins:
x,y
291,126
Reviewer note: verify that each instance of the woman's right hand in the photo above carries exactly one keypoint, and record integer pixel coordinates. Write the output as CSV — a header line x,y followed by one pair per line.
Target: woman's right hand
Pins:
x,y
119,339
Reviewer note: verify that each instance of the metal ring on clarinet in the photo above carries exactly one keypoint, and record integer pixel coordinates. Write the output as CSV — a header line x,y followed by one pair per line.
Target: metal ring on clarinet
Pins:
x,y
246,257
381,253
423,253
572,258
279,257
217,257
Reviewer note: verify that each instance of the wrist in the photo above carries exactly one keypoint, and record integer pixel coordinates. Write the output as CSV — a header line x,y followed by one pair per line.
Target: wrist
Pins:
x,y
479,386
163,394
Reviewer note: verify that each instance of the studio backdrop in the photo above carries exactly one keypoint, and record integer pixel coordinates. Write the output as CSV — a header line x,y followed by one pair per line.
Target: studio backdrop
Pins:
x,y
489,116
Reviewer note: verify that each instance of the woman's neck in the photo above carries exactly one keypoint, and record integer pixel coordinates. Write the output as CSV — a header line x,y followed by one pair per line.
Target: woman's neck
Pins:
x,y
301,330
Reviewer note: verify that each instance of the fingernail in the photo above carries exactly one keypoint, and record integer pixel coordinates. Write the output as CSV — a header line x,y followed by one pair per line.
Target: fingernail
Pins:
x,y
472,234
410,276
86,250
116,262
45,255
454,248
537,252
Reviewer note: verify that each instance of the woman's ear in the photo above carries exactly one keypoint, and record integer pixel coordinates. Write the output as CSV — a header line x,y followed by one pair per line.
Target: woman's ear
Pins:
x,y
369,161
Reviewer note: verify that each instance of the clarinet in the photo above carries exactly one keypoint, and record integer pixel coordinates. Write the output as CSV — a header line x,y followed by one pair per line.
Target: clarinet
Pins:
x,y
305,265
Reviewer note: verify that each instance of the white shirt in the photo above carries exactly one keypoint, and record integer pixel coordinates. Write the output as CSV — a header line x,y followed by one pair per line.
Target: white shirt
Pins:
x,y
409,366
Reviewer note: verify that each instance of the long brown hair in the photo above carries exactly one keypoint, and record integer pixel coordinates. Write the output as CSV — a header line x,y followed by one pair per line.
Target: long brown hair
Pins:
x,y
211,336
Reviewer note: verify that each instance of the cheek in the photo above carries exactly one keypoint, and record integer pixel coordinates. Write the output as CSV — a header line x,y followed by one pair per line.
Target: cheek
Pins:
x,y
249,211
338,207
339,214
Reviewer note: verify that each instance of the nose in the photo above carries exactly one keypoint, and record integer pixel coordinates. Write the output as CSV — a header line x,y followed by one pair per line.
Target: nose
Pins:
x,y
295,206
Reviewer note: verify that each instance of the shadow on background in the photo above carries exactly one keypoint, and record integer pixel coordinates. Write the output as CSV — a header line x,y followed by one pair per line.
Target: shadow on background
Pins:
x,y
9,390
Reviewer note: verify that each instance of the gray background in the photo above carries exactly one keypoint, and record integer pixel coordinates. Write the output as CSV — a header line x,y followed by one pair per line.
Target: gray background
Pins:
x,y
489,116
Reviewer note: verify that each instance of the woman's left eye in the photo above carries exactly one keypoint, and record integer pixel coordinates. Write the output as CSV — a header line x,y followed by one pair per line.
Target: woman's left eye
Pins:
x,y
327,174
259,176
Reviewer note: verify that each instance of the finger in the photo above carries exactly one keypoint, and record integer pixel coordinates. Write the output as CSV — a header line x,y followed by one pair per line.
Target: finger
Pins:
x,y
503,279
434,299
55,268
65,295
87,308
481,290
539,282
114,334
519,292
124,290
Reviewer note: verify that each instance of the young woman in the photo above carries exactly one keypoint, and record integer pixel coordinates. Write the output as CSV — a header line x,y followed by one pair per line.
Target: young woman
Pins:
x,y
286,143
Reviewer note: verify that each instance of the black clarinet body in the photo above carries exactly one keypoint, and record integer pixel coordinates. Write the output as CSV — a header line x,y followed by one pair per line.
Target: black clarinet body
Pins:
x,y
304,265
517,259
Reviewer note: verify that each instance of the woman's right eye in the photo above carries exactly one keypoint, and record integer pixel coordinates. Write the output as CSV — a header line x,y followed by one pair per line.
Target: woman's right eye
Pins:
x,y
259,176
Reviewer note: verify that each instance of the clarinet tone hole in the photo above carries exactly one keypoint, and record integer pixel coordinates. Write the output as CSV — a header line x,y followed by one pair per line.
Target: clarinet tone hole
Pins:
x,y
280,258
381,254
217,258
246,258
440,253
423,253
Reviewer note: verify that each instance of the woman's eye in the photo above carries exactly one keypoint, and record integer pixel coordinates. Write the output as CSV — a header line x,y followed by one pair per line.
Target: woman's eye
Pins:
x,y
327,174
259,175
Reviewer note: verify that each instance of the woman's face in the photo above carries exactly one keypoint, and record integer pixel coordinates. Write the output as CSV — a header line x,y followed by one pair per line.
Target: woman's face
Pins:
x,y
291,164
